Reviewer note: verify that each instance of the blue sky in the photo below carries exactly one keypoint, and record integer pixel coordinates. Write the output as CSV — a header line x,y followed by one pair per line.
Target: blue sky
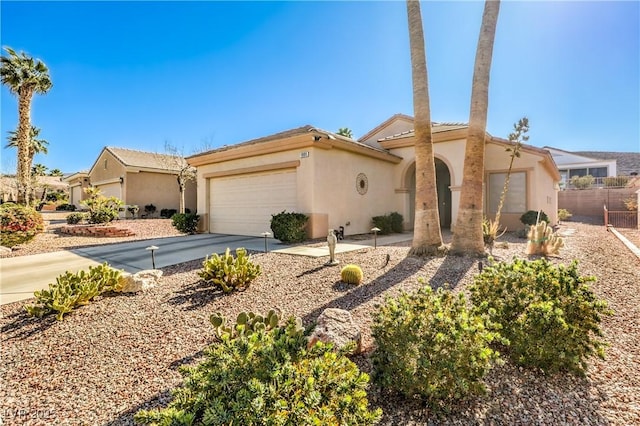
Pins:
x,y
206,74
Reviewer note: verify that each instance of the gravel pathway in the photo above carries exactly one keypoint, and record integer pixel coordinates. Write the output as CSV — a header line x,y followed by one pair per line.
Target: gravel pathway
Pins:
x,y
119,354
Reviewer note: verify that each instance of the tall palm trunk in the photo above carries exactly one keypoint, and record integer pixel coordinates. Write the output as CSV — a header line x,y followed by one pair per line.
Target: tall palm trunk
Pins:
x,y
427,237
467,234
24,127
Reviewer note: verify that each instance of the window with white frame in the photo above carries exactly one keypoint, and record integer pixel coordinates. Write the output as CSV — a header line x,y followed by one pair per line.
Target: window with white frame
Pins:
x,y
516,199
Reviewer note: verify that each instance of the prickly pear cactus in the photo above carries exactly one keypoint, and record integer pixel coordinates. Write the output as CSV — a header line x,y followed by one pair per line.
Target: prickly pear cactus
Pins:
x,y
351,274
229,273
543,241
246,323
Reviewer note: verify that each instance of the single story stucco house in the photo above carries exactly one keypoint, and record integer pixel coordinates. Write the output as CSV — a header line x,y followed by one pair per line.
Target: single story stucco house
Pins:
x,y
338,181
136,177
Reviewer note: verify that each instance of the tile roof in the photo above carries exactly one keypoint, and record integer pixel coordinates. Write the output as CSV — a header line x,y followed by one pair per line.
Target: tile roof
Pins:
x,y
435,128
290,133
151,160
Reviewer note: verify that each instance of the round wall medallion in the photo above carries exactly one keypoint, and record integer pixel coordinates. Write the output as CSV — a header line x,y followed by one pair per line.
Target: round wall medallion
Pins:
x,y
362,183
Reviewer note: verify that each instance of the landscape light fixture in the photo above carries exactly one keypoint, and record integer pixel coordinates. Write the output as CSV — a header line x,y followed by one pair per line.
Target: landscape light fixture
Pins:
x,y
265,235
375,236
153,257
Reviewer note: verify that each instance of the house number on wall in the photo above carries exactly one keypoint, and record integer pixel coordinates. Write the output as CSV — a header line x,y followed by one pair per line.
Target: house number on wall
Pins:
x,y
362,183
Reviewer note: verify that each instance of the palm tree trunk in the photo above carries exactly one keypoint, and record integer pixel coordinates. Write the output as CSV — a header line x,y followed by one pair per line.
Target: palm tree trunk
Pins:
x,y
427,237
467,235
23,171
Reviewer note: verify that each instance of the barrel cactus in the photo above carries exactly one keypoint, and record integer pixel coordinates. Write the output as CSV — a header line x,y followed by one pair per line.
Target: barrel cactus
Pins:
x,y
352,274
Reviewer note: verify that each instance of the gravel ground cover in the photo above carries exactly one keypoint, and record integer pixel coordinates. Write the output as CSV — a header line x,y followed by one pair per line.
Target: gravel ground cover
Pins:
x,y
119,354
53,240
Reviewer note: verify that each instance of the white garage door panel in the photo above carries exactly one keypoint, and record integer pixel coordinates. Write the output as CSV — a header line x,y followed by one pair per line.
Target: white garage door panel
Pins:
x,y
243,205
111,190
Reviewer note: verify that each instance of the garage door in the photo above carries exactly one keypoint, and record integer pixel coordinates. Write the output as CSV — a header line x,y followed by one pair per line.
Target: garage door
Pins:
x,y
243,205
111,190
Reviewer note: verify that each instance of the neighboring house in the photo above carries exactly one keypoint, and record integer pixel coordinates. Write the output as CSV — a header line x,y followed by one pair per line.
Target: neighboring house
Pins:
x,y
627,163
136,177
9,188
338,181
78,182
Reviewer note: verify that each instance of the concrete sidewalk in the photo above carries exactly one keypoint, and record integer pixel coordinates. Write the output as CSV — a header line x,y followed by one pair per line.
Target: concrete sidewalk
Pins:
x,y
346,245
21,276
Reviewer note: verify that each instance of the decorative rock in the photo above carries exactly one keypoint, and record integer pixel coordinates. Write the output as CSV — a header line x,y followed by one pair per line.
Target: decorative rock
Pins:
x,y
140,281
336,326
5,250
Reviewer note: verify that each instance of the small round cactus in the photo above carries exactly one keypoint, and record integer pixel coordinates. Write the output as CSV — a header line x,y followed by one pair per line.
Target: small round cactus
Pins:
x,y
351,274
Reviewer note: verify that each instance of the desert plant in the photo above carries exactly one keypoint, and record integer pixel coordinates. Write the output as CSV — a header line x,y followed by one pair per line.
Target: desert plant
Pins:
x,y
101,209
428,345
149,209
351,274
246,324
383,223
18,224
631,204
185,222
616,181
289,227
582,182
75,218
74,289
168,213
548,313
532,217
229,273
564,214
269,377
543,241
491,231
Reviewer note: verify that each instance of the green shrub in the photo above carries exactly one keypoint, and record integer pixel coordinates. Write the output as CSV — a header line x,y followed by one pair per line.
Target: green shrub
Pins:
x,y
548,313
168,213
66,207
269,378
101,209
74,218
185,222
396,222
229,273
429,346
351,274
289,227
530,217
564,214
388,223
616,181
582,182
383,223
71,290
18,224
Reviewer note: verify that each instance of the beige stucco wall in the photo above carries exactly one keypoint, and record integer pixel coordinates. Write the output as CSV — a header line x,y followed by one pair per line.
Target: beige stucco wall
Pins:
x,y
541,189
159,189
335,193
114,169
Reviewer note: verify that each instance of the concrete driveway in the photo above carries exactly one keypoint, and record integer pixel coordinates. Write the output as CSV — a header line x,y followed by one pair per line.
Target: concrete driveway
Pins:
x,y
21,276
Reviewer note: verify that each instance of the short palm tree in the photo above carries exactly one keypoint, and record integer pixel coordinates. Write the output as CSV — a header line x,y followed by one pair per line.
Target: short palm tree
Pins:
x,y
36,146
39,170
345,131
24,77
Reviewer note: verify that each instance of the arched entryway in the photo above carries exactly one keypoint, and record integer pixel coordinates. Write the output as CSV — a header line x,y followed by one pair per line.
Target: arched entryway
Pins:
x,y
443,183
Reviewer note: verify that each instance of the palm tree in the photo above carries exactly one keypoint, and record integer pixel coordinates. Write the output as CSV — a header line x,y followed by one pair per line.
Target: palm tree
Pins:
x,y
55,172
345,131
427,237
24,76
39,170
467,234
36,146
